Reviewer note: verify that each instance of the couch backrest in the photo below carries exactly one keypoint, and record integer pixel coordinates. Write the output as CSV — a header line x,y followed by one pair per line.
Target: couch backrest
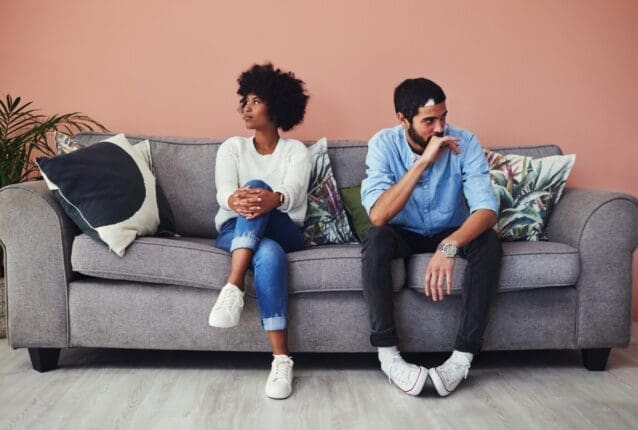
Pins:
x,y
184,168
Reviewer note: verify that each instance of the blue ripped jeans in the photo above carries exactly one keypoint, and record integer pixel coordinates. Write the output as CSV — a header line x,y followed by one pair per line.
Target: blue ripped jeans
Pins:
x,y
270,236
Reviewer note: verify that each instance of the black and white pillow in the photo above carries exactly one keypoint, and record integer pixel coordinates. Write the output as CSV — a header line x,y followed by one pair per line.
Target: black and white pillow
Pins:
x,y
65,144
109,191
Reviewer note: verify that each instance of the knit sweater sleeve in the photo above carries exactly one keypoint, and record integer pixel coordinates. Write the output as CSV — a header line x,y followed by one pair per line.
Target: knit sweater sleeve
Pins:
x,y
226,171
295,184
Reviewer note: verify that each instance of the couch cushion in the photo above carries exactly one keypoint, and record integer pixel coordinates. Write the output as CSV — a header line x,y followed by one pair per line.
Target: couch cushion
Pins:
x,y
525,265
195,262
184,168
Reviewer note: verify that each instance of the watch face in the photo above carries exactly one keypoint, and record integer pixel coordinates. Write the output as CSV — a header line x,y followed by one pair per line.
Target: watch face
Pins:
x,y
449,250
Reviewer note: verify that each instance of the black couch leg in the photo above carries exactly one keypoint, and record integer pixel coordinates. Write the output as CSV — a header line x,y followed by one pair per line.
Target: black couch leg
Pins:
x,y
44,359
595,359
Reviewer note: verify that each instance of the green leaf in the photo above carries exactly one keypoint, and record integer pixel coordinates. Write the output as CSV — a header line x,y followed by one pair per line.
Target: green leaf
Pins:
x,y
24,133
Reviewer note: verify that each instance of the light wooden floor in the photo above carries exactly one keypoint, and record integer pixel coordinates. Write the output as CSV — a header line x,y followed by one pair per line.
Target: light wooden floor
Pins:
x,y
104,389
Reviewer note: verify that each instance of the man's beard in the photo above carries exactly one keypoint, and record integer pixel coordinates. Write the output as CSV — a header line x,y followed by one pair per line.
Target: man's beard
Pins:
x,y
418,139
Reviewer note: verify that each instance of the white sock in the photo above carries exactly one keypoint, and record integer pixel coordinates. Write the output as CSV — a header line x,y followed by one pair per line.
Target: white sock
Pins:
x,y
468,355
387,352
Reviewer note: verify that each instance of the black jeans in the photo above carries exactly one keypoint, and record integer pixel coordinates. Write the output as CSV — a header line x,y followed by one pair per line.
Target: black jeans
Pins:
x,y
383,244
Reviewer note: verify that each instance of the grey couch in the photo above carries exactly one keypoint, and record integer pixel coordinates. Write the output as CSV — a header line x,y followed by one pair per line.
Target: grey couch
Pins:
x,y
65,290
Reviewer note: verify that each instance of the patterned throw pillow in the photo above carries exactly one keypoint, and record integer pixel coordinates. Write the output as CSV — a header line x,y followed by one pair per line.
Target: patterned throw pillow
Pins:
x,y
109,191
326,220
65,144
527,189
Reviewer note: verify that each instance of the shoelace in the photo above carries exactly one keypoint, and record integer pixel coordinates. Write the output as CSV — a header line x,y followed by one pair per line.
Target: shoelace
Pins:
x,y
282,367
229,300
399,371
456,366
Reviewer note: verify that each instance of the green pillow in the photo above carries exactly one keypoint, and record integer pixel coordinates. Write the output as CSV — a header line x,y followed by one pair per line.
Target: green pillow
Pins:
x,y
352,201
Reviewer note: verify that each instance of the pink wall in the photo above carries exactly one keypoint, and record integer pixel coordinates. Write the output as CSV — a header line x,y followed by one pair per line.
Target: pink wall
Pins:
x,y
516,72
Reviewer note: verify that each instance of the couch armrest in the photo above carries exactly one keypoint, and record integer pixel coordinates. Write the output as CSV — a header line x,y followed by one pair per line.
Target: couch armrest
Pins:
x,y
37,237
603,226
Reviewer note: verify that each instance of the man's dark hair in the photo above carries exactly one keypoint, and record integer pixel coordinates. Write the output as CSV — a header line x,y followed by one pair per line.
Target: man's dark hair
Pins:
x,y
412,94
283,93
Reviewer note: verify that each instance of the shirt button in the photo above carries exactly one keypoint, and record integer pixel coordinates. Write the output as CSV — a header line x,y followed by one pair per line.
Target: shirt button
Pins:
x,y
426,186
426,211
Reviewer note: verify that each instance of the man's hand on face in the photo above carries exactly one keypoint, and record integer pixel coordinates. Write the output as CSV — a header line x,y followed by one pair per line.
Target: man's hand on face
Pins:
x,y
437,145
438,276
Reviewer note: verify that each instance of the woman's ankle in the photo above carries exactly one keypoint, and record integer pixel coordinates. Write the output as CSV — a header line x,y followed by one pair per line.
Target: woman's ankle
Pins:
x,y
238,284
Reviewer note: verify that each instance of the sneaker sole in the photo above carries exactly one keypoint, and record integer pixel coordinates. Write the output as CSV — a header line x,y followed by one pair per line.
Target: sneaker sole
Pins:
x,y
438,383
278,397
213,322
420,382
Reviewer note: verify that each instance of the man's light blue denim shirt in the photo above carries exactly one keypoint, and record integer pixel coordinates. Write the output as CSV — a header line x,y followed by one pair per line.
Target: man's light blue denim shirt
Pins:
x,y
447,192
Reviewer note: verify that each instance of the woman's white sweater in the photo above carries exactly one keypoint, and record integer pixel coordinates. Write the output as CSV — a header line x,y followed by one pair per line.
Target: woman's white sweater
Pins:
x,y
286,170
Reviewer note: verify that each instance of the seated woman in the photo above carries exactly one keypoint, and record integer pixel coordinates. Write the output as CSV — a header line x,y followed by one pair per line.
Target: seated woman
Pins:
x,y
262,184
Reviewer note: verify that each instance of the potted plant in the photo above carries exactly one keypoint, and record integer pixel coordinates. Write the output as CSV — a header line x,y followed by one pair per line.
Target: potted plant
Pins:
x,y
24,133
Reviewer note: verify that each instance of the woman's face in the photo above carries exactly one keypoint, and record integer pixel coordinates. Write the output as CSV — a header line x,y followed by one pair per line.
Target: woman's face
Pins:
x,y
254,111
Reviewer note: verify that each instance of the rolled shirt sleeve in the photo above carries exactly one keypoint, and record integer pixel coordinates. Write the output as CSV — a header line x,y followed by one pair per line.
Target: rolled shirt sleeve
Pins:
x,y
477,185
379,176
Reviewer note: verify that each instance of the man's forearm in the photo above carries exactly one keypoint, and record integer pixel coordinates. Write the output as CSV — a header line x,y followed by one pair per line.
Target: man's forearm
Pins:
x,y
394,198
473,227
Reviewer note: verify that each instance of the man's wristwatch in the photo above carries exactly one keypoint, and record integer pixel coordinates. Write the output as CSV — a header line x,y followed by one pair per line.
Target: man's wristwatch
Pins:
x,y
448,249
282,199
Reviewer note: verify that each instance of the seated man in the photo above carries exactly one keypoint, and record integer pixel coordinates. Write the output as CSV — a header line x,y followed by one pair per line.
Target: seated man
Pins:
x,y
418,174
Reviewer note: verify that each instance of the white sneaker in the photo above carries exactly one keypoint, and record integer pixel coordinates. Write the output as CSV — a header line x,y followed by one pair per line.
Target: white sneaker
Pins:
x,y
408,377
228,307
279,383
449,375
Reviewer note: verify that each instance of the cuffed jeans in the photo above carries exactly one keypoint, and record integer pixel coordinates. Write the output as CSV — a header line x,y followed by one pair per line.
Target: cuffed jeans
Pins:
x,y
270,236
383,244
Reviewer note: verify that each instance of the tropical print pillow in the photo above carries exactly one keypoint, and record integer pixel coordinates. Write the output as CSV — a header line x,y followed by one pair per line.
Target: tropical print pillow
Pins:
x,y
527,189
65,144
326,219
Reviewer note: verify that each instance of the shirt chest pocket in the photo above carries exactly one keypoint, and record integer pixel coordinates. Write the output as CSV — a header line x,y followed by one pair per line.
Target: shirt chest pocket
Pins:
x,y
447,196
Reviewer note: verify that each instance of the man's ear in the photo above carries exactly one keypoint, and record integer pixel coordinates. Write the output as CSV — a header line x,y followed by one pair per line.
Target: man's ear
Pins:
x,y
404,121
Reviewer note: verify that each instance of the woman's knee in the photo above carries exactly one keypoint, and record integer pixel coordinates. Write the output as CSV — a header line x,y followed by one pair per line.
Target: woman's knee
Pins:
x,y
258,183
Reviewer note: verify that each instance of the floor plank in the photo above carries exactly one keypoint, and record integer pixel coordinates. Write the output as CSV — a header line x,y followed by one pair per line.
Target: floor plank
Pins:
x,y
120,389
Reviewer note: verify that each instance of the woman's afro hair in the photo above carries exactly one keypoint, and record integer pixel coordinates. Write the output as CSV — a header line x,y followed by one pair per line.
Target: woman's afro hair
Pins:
x,y
283,93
